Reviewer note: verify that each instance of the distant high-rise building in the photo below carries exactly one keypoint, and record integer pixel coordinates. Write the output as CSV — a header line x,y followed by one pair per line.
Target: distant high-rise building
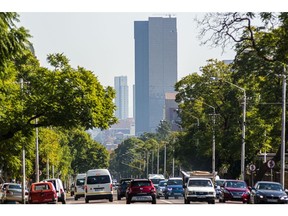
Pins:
x,y
121,100
155,69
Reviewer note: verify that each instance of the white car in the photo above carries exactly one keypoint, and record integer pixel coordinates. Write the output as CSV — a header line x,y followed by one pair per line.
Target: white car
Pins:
x,y
199,190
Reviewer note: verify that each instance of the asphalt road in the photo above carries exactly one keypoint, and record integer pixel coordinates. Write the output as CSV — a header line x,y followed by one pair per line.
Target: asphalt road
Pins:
x,y
171,200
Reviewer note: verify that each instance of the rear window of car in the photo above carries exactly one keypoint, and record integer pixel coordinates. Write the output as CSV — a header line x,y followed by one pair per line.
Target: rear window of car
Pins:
x,y
103,179
140,183
12,186
80,182
175,182
41,187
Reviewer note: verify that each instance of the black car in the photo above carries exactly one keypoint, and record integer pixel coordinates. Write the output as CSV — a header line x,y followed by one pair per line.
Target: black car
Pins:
x,y
122,187
268,192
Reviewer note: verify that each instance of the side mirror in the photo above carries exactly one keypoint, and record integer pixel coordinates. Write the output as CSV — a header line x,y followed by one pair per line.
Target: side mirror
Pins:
x,y
286,191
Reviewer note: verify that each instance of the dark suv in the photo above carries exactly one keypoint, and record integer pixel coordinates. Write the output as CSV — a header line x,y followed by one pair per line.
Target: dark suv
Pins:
x,y
141,190
122,187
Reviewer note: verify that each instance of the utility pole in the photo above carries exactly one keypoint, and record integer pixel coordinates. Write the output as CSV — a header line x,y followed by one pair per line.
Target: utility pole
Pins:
x,y
282,163
23,154
37,154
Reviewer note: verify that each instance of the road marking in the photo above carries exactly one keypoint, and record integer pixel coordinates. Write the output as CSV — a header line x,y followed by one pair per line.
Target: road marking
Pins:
x,y
166,201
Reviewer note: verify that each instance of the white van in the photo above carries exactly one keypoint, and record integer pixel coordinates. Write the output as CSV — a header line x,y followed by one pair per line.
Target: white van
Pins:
x,y
59,189
79,186
98,185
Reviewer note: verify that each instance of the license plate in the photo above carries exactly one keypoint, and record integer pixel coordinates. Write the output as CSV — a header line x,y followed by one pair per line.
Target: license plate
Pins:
x,y
237,197
201,196
272,200
141,198
177,194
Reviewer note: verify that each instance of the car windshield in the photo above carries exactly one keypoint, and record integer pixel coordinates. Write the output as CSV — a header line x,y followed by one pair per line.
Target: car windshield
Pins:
x,y
174,182
236,184
156,181
80,182
162,183
269,186
140,183
200,183
219,182
103,179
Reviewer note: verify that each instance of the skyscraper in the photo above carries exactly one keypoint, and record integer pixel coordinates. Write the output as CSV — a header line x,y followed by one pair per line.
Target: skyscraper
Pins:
x,y
121,100
155,69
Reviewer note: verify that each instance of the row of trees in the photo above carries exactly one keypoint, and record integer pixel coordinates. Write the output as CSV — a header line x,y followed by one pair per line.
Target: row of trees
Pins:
x,y
63,102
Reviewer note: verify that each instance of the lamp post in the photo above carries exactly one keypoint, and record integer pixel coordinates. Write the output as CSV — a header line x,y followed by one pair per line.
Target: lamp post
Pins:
x,y
213,138
282,160
242,176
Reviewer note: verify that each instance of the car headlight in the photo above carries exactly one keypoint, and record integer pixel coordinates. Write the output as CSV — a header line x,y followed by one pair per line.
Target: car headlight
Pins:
x,y
283,198
260,196
169,189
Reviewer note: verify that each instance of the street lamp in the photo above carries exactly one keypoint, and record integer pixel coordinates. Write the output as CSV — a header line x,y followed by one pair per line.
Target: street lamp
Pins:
x,y
242,176
213,138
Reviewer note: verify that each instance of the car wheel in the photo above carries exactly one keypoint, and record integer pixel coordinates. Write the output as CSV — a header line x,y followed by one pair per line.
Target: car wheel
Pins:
x,y
166,197
118,197
176,197
86,201
64,201
111,199
158,197
128,200
153,200
75,198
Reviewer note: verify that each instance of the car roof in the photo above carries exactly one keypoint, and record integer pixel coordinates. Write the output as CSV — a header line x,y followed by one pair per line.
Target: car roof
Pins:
x,y
175,178
271,182
141,180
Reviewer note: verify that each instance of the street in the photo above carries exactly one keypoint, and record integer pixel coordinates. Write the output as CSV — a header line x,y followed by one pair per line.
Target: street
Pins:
x,y
171,200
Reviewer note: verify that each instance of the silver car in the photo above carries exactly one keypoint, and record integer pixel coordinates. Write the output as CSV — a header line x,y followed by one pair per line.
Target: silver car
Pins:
x,y
13,193
161,188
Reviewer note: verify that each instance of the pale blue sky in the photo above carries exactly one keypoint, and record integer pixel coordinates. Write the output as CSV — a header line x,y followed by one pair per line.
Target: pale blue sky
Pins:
x,y
94,37
104,42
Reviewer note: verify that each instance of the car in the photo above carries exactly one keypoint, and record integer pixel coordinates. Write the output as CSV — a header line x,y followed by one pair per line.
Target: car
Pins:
x,y
141,190
13,193
122,187
79,190
98,185
61,195
234,190
42,192
199,189
218,184
174,188
161,188
268,192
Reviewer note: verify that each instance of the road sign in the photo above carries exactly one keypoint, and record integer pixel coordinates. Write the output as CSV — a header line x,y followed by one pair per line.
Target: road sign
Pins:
x,y
252,167
270,164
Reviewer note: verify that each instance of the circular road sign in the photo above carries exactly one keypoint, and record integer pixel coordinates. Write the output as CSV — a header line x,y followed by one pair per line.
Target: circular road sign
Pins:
x,y
252,167
270,164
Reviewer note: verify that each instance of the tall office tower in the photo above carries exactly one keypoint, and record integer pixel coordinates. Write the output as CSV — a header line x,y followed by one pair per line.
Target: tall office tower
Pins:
x,y
121,100
155,69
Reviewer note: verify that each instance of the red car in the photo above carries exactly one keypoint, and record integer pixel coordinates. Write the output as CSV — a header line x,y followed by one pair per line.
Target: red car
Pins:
x,y
141,190
42,192
236,190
